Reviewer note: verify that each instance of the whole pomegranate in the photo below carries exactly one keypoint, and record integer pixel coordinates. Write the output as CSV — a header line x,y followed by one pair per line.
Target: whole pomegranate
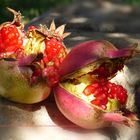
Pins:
x,y
29,60
85,94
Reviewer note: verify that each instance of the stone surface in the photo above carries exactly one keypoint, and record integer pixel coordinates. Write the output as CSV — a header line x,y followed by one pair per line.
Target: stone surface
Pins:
x,y
114,21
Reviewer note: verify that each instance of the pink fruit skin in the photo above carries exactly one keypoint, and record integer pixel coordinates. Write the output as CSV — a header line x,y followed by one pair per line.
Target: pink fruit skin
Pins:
x,y
91,51
84,54
77,110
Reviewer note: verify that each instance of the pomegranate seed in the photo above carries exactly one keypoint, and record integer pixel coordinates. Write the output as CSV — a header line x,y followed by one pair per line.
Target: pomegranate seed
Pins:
x,y
110,96
103,107
105,89
10,39
98,91
109,85
122,97
53,56
96,102
52,75
102,98
89,90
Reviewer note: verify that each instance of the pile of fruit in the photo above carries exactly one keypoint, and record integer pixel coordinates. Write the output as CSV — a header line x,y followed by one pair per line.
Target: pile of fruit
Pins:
x,y
35,62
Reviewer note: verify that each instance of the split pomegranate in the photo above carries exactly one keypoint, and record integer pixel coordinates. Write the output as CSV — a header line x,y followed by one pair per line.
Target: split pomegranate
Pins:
x,y
85,94
29,60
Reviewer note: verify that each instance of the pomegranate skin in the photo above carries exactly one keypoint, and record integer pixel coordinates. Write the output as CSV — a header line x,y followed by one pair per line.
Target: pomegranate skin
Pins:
x,y
90,51
78,111
84,54
75,108
15,87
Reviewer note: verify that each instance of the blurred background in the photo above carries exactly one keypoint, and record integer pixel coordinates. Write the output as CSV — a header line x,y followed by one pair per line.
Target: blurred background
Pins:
x,y
31,9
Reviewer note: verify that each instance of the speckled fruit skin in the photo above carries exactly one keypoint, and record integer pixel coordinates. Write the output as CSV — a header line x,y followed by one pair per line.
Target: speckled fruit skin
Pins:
x,y
77,110
15,87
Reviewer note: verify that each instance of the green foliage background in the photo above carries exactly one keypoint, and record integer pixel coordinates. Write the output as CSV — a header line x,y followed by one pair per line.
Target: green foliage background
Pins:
x,y
33,8
133,2
28,8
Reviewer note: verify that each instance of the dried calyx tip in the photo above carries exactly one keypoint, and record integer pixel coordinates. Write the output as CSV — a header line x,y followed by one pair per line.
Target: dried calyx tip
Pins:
x,y
17,16
52,31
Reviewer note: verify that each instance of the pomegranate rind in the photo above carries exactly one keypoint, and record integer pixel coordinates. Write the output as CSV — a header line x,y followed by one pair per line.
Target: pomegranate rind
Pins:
x,y
77,110
15,87
84,54
90,52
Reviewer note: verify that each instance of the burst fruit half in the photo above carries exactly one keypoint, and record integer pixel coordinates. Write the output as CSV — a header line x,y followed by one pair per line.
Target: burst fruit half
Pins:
x,y
48,42
29,60
85,94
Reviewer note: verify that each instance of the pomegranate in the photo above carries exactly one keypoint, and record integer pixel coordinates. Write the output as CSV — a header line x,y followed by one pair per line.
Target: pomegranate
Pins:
x,y
85,94
27,74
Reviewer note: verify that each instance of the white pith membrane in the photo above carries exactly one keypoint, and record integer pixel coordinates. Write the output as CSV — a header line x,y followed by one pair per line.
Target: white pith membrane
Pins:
x,y
34,43
76,82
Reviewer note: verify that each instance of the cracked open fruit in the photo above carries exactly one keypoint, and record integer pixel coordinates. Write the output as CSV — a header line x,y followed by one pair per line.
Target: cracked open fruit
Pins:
x,y
85,94
29,60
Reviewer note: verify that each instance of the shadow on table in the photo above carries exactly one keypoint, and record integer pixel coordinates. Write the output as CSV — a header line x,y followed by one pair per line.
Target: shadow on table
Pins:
x,y
64,123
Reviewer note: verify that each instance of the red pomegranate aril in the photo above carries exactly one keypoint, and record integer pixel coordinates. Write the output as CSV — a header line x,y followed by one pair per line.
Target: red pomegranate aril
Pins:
x,y
103,98
106,89
109,85
51,74
113,91
89,90
10,39
54,48
96,102
103,89
51,57
110,96
98,91
122,97
103,107
95,84
104,101
102,71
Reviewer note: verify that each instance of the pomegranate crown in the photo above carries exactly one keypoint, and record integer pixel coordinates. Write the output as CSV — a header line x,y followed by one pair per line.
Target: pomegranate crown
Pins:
x,y
53,32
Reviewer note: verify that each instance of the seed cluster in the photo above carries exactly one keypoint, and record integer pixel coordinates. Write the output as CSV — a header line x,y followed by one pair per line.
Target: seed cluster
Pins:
x,y
53,56
103,91
10,39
